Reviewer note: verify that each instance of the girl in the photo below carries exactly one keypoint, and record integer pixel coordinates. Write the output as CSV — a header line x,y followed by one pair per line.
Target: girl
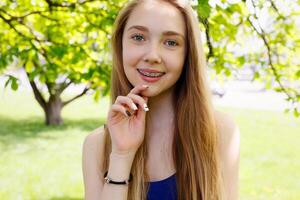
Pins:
x,y
162,140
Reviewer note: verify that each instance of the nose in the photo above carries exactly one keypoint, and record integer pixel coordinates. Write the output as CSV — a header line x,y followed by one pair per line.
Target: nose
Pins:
x,y
152,55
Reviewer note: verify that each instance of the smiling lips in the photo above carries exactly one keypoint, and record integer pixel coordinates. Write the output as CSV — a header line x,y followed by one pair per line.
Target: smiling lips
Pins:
x,y
150,75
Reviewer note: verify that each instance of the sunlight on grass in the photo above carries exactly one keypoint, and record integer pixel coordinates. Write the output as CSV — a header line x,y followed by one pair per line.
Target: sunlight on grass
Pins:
x,y
40,162
270,160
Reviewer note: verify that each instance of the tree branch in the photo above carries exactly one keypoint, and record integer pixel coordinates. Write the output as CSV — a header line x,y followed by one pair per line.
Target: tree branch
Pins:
x,y
67,4
49,87
42,52
37,94
76,97
8,21
261,33
63,4
276,9
64,85
208,39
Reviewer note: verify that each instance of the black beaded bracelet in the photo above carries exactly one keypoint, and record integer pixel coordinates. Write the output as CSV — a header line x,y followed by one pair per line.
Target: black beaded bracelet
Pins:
x,y
110,181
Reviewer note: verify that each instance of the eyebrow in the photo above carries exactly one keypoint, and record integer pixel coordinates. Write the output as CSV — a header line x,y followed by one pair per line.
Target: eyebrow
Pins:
x,y
143,28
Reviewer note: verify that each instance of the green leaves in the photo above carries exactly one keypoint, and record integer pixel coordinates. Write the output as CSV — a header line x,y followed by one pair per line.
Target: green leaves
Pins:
x,y
261,38
68,38
13,81
58,51
57,38
203,9
298,74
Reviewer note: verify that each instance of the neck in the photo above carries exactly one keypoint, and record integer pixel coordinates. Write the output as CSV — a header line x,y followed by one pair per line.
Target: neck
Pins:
x,y
161,113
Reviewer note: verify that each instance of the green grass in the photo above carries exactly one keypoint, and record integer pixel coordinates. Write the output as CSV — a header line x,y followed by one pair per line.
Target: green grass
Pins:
x,y
40,162
270,159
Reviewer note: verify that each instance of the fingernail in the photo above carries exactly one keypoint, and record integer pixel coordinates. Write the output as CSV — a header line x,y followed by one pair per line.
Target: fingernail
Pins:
x,y
145,86
146,107
128,113
134,106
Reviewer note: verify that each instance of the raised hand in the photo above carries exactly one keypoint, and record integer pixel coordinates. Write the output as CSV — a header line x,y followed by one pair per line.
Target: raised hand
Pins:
x,y
126,121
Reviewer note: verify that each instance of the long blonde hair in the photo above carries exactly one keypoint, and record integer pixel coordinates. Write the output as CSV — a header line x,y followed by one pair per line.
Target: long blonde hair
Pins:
x,y
195,144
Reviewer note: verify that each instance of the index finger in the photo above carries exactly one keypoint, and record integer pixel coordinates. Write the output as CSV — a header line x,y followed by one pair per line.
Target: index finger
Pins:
x,y
137,89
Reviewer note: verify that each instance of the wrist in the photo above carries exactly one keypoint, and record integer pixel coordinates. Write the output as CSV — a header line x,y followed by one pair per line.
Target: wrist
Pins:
x,y
120,165
123,154
128,152
111,181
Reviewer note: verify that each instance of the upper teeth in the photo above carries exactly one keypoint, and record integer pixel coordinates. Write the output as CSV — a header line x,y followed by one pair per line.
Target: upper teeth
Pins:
x,y
152,74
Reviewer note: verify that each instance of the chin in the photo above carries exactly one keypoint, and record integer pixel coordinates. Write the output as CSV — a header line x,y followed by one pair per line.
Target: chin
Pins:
x,y
146,93
149,93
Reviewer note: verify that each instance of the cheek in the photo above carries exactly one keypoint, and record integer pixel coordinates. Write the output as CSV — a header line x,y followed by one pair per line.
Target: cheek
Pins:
x,y
131,55
176,61
130,60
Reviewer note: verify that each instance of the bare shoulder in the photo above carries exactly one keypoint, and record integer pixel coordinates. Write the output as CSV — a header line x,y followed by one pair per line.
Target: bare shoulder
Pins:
x,y
229,146
228,132
93,145
92,159
225,123
227,128
96,137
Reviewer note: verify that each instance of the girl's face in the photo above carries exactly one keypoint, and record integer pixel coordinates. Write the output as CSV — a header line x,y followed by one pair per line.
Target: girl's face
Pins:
x,y
154,46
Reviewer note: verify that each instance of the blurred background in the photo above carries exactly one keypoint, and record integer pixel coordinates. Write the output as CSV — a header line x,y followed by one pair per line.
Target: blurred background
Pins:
x,y
55,65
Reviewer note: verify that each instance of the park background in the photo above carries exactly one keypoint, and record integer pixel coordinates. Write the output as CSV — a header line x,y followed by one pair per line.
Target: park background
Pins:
x,y
54,82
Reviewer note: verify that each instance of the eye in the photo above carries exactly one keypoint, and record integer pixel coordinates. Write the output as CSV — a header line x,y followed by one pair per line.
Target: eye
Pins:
x,y
172,43
137,37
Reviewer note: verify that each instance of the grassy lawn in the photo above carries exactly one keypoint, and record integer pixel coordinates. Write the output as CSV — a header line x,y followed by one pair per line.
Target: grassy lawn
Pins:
x,y
39,162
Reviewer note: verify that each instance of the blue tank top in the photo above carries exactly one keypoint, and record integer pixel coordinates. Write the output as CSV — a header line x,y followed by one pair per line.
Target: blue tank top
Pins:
x,y
163,190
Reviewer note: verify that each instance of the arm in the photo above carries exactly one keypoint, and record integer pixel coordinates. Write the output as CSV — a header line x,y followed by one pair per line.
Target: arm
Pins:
x,y
92,159
126,124
229,153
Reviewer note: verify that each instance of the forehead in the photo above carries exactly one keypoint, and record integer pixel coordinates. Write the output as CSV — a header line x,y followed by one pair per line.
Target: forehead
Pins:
x,y
157,16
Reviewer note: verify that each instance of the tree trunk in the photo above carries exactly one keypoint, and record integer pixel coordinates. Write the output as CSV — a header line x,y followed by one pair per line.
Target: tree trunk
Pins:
x,y
52,108
53,111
